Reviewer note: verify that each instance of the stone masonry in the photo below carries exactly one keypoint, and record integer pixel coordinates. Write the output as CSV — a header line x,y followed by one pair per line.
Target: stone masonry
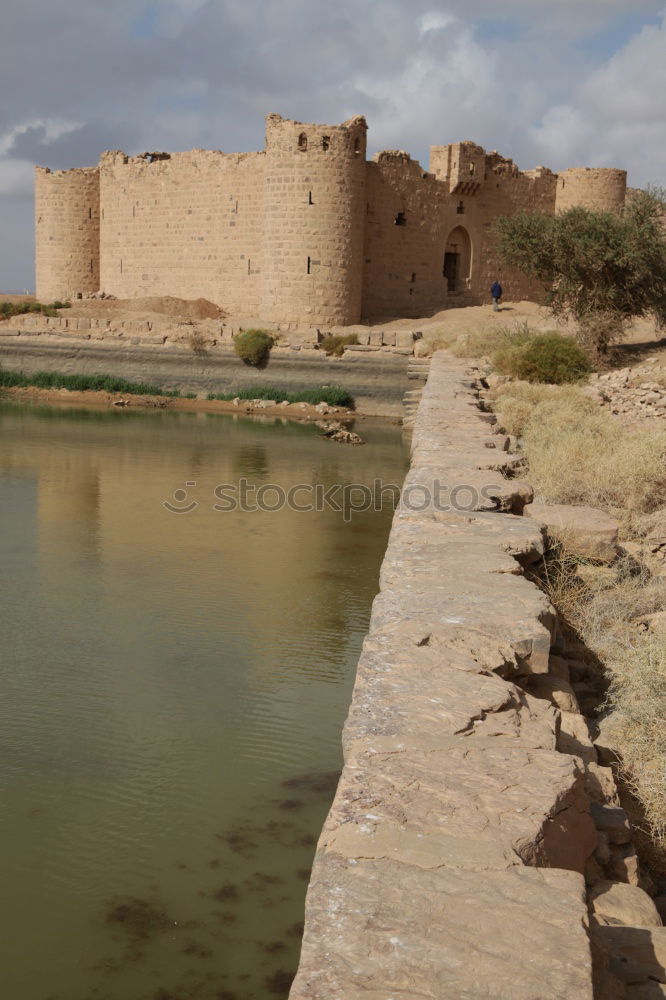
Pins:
x,y
452,864
306,231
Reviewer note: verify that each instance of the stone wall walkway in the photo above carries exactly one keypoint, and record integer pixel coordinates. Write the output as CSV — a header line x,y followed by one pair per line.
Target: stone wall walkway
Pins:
x,y
450,865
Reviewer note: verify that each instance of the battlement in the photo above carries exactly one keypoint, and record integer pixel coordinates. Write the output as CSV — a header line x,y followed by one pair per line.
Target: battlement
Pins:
x,y
305,231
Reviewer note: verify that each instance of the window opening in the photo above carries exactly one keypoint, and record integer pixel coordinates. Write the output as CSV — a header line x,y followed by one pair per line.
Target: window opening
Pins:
x,y
303,142
400,219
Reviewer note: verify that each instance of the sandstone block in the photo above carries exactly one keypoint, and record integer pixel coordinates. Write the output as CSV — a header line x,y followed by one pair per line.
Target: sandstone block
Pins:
x,y
404,339
619,903
591,532
554,689
612,821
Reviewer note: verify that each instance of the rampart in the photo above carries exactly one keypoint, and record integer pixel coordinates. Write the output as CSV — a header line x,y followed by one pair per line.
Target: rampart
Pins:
x,y
451,863
306,231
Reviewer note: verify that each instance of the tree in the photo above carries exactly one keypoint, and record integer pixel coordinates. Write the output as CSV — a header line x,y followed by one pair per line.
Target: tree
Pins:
x,y
598,268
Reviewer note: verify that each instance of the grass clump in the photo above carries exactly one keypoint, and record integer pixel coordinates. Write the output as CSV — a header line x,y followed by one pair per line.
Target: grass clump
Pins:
x,y
83,383
253,346
334,395
334,346
578,456
9,309
551,358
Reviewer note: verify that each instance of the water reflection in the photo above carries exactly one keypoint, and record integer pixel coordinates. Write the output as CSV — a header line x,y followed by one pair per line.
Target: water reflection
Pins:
x,y
173,691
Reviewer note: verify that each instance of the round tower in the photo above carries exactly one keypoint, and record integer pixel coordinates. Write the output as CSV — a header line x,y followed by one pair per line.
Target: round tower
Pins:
x,y
66,233
314,222
601,189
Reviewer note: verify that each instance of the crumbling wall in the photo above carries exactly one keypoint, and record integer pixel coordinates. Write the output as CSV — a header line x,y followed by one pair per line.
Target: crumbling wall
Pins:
x,y
67,233
188,225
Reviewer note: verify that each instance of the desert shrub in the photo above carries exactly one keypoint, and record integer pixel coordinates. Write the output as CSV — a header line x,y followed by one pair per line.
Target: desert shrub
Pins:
x,y
253,346
197,342
547,357
10,309
334,346
599,268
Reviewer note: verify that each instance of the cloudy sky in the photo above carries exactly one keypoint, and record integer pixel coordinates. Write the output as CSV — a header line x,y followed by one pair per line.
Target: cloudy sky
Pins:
x,y
558,82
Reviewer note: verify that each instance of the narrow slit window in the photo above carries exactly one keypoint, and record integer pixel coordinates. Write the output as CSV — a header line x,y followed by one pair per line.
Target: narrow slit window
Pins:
x,y
92,267
303,142
357,146
471,168
90,213
121,265
413,277
248,266
400,219
309,265
310,201
325,142
133,211
461,208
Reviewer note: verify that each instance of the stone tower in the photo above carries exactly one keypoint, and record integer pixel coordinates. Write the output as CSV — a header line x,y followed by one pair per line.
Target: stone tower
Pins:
x,y
601,189
67,232
314,221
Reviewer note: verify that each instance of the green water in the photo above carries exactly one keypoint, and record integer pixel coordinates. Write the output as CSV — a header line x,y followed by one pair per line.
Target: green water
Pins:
x,y
173,687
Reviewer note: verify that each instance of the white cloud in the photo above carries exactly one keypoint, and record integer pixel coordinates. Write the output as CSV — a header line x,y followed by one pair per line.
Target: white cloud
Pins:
x,y
617,115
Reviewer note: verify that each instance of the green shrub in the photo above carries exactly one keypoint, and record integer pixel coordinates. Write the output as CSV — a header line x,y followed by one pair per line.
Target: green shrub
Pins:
x,y
253,346
83,383
9,309
335,346
331,394
549,357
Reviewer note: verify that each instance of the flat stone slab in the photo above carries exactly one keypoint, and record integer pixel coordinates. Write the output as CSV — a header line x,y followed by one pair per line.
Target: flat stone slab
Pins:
x,y
590,531
380,930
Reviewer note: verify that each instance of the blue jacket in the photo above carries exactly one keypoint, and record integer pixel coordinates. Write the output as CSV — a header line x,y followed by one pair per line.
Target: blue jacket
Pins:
x,y
496,290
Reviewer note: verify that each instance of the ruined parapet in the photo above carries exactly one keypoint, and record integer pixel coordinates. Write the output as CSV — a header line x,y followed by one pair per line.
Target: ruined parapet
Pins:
x,y
314,221
461,165
66,232
601,189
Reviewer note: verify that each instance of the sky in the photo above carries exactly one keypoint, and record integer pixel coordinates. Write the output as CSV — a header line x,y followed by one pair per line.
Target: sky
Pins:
x,y
553,82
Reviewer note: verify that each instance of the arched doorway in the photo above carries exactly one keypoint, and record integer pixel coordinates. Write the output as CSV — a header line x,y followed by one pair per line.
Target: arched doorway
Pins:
x,y
457,259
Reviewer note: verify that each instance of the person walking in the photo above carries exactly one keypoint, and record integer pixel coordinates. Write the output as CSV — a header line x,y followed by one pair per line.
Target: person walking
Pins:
x,y
496,295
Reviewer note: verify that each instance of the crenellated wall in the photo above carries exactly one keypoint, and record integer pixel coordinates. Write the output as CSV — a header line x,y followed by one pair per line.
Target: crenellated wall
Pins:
x,y
67,255
306,232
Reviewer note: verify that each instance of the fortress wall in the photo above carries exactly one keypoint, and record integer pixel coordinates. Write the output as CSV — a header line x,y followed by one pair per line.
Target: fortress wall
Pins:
x,y
189,225
66,232
507,191
314,220
601,189
402,274
451,862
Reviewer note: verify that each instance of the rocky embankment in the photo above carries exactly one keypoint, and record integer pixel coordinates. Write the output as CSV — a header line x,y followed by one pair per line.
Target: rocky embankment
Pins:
x,y
475,846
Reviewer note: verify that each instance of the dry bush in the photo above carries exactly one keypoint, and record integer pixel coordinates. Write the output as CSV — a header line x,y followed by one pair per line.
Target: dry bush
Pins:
x,y
578,455
197,342
518,402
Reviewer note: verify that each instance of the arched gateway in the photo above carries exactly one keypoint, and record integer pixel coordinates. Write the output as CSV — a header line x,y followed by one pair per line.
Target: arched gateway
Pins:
x,y
458,260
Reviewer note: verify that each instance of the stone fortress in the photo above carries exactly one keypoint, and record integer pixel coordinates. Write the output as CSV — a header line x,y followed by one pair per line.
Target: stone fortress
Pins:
x,y
307,232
